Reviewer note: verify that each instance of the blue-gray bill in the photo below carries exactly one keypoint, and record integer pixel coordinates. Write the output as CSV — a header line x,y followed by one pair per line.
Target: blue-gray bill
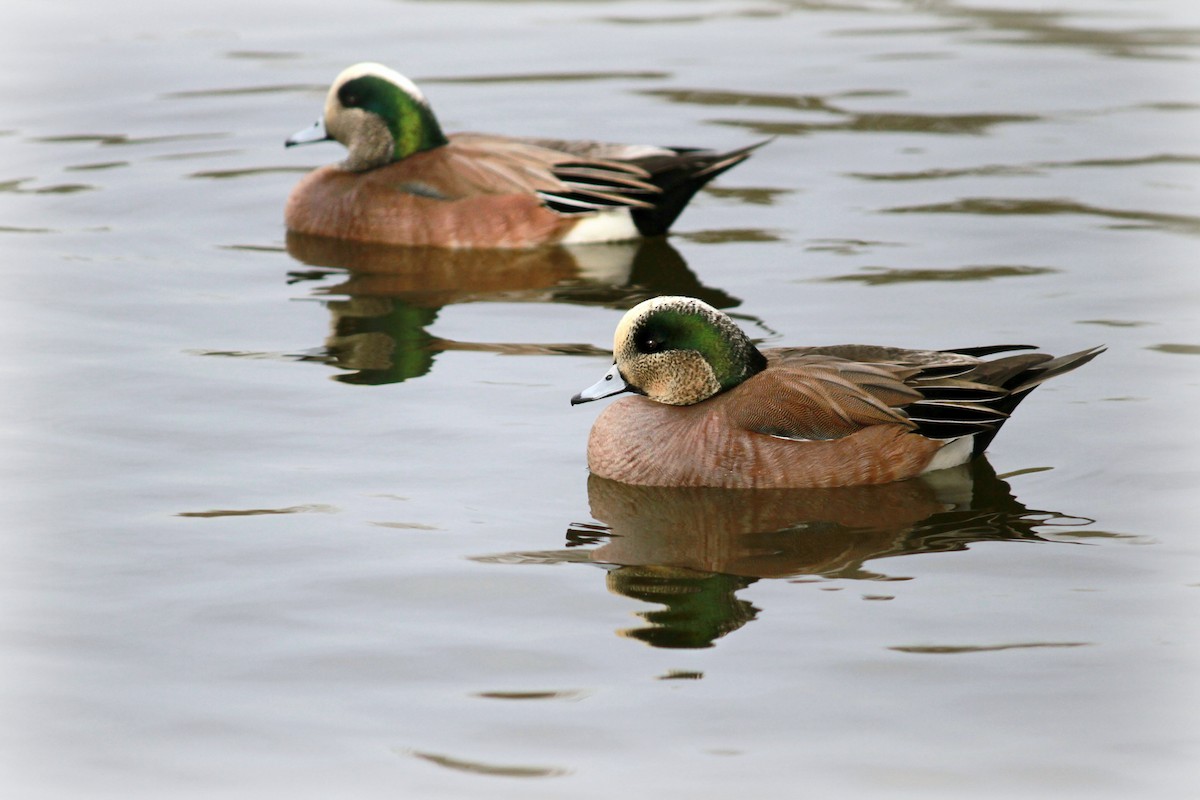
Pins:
x,y
313,133
612,383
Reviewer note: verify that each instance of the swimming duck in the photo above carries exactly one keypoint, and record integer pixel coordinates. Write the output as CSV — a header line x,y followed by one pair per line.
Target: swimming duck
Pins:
x,y
714,410
405,182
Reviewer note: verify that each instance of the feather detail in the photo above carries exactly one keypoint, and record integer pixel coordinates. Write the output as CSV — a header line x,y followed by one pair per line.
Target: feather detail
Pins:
x,y
816,401
818,393
593,176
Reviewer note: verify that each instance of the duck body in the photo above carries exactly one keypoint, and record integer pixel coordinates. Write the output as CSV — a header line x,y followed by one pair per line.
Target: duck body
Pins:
x,y
406,183
728,441
846,415
424,201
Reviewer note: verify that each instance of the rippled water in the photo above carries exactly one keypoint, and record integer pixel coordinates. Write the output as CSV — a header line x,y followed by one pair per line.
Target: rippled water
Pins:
x,y
287,518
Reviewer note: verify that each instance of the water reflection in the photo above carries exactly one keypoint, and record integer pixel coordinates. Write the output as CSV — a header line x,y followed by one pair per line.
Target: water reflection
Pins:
x,y
1059,28
976,23
1036,168
691,550
1003,206
392,295
886,276
826,114
481,768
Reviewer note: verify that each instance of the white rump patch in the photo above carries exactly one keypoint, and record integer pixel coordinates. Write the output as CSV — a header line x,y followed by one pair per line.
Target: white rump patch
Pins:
x,y
953,453
614,225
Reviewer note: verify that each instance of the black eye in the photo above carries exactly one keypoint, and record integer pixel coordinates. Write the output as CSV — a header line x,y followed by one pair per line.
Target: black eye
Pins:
x,y
653,344
650,339
348,95
654,337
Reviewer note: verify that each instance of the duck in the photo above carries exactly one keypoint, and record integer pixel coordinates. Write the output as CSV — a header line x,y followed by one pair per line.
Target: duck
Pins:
x,y
405,182
709,408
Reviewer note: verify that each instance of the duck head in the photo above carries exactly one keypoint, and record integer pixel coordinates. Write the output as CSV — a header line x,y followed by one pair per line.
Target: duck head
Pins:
x,y
378,114
678,351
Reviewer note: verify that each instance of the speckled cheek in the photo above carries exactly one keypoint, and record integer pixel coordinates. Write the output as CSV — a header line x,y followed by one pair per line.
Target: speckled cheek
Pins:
x,y
644,372
689,379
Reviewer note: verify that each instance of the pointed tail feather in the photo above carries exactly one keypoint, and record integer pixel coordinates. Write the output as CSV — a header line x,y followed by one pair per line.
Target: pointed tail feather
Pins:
x,y
1023,381
679,176
1053,368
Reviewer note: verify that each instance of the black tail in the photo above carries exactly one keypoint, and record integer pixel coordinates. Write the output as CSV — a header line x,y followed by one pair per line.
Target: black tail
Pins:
x,y
977,399
680,175
1021,379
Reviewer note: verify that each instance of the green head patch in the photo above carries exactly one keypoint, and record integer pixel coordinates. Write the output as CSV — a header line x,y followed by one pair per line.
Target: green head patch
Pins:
x,y
403,109
714,336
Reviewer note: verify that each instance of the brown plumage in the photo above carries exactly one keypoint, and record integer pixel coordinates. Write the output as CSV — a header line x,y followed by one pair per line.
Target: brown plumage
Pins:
x,y
406,183
797,417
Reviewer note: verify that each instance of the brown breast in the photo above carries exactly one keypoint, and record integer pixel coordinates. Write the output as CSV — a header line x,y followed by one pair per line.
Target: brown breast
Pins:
x,y
639,441
381,206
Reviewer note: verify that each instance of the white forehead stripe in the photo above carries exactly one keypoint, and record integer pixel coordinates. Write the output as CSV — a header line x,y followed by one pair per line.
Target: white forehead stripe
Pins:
x,y
379,71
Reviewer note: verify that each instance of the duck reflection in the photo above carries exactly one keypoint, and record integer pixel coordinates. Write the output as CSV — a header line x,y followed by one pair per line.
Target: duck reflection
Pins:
x,y
691,549
393,294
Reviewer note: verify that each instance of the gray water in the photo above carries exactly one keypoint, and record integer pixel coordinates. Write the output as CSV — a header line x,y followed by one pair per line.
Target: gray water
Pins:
x,y
305,522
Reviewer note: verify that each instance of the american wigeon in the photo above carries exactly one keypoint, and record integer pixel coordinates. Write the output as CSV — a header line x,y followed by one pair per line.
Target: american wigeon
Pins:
x,y
714,410
405,182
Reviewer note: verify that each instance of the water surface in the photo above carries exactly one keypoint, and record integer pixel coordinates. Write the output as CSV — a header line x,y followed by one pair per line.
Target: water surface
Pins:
x,y
290,518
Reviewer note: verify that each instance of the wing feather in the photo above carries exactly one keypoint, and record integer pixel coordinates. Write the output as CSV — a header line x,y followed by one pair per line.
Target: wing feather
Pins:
x,y
821,399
